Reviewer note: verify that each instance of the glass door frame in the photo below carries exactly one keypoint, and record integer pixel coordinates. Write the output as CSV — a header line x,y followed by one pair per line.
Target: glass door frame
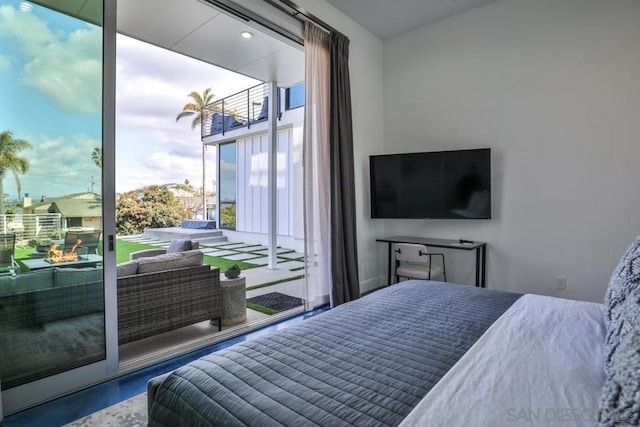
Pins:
x,y
38,391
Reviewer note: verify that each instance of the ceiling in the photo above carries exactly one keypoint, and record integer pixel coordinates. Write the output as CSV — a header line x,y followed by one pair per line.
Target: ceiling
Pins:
x,y
386,19
198,30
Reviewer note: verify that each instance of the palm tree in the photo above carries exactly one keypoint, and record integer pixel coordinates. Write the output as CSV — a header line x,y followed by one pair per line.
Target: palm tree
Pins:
x,y
196,107
96,156
10,160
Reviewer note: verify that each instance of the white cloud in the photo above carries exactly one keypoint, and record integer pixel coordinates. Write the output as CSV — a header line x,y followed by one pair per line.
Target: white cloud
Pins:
x,y
5,62
165,161
66,67
13,24
152,87
64,163
50,144
227,171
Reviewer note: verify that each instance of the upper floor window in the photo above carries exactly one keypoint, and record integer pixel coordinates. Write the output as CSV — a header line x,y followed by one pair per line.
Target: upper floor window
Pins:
x,y
294,97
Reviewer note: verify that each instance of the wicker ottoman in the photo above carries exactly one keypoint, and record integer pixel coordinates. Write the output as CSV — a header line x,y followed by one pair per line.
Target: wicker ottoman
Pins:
x,y
234,300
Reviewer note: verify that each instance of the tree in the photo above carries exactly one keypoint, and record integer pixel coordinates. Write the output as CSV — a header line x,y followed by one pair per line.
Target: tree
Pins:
x,y
193,202
151,207
228,217
96,157
10,160
196,108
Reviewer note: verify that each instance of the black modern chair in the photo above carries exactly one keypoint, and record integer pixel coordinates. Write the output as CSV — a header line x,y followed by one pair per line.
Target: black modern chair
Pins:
x,y
83,239
8,265
416,262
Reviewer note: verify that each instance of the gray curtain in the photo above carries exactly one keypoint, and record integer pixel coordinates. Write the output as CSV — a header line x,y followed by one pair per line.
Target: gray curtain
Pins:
x,y
344,251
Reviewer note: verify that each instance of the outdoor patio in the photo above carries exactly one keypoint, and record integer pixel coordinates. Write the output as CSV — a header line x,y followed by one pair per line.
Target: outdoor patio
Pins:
x,y
286,279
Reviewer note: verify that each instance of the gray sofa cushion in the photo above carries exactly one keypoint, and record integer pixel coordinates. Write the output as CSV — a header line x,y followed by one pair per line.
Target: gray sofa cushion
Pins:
x,y
179,246
128,268
26,282
619,403
228,122
170,261
6,285
73,276
622,301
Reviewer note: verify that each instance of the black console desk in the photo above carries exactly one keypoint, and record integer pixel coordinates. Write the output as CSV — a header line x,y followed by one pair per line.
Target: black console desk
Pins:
x,y
479,247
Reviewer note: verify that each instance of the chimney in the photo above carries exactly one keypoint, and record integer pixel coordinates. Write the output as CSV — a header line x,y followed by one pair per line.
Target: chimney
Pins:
x,y
26,201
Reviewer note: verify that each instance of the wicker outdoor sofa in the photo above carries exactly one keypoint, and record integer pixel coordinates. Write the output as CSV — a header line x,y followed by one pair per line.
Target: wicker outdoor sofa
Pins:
x,y
166,292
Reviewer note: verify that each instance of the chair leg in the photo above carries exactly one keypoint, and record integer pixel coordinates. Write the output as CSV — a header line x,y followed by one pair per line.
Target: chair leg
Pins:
x,y
217,320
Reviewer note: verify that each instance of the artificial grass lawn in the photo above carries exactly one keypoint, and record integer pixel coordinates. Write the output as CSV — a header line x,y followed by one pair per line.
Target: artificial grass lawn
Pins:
x,y
125,247
24,253
261,309
275,282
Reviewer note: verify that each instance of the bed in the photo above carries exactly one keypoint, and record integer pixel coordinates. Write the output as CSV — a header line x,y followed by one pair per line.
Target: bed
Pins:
x,y
427,353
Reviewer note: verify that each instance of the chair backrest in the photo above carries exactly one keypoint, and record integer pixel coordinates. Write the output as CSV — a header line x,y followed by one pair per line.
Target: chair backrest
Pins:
x,y
264,111
89,240
7,247
411,253
216,121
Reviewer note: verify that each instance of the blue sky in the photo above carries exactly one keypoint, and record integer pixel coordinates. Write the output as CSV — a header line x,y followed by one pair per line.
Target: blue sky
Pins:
x,y
51,81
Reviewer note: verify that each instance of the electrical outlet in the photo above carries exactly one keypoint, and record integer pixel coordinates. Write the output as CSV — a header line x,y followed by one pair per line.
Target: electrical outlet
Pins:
x,y
561,282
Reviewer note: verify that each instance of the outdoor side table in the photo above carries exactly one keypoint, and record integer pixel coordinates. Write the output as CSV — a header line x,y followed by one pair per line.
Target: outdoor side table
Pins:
x,y
234,300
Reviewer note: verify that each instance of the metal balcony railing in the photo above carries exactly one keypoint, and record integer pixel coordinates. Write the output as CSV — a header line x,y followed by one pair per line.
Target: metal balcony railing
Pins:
x,y
241,109
32,226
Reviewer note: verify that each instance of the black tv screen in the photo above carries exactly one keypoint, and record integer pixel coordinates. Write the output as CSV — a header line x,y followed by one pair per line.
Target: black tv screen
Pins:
x,y
432,185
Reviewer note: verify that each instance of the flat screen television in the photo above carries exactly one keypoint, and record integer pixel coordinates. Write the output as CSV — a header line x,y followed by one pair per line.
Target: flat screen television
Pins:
x,y
432,185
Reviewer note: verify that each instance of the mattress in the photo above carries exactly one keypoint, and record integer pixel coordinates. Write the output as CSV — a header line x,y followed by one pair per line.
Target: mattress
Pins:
x,y
368,362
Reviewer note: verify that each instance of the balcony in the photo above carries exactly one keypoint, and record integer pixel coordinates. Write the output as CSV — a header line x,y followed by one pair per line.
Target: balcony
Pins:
x,y
240,110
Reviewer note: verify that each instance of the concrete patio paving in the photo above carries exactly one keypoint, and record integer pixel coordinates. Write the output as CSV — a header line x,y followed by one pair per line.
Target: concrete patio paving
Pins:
x,y
290,264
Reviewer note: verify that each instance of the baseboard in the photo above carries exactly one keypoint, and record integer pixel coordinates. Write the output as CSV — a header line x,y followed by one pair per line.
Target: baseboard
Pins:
x,y
369,285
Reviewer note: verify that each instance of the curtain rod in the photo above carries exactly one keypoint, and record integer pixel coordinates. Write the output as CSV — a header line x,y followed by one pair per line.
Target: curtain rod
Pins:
x,y
247,15
301,14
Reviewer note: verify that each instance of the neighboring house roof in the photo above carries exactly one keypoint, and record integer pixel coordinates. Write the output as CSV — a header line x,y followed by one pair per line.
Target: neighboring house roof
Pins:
x,y
77,208
72,205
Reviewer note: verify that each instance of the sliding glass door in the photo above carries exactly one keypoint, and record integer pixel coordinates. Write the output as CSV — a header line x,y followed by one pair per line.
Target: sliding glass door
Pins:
x,y
52,293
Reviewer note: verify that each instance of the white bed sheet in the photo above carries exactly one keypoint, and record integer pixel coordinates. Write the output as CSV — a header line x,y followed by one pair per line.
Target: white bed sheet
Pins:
x,y
540,364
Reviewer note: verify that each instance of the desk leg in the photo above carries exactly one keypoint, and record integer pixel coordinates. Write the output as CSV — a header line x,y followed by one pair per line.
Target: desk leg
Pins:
x,y
478,266
389,264
484,267
481,266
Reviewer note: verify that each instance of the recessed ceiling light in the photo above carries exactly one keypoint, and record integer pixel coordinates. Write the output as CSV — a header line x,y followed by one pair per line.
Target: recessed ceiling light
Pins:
x,y
26,7
246,34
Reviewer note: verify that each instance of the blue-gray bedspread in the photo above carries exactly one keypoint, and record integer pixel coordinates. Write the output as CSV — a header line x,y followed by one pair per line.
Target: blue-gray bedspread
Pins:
x,y
368,362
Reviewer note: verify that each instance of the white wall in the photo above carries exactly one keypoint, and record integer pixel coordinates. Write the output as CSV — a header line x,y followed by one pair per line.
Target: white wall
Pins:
x,y
365,66
252,192
553,88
